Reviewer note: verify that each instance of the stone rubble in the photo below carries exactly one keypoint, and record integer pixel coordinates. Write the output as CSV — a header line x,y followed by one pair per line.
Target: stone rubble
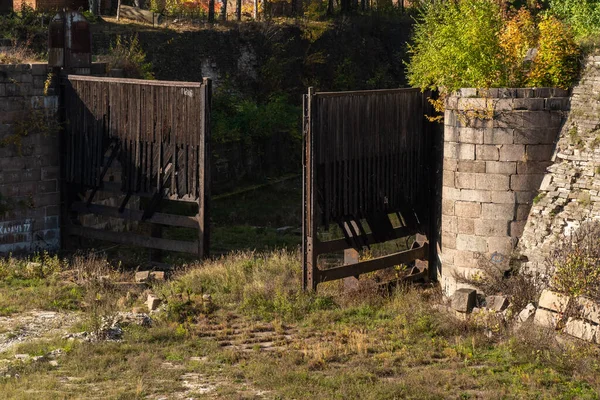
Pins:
x,y
570,191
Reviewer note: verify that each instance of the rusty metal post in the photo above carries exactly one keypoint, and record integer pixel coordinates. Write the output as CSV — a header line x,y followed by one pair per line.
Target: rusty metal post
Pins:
x,y
309,225
205,175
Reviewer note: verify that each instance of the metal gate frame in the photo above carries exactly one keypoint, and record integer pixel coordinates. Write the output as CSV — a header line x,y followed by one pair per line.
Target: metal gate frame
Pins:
x,y
80,192
427,233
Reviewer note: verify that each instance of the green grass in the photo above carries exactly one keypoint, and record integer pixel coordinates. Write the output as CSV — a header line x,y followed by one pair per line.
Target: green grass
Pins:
x,y
330,345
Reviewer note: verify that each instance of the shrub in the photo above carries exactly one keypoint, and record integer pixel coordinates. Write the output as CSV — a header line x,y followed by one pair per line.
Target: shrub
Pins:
x,y
582,15
127,54
518,36
576,262
456,45
556,63
474,43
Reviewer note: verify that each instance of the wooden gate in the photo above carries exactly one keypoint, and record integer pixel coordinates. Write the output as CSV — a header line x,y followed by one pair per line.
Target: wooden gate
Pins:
x,y
156,135
369,155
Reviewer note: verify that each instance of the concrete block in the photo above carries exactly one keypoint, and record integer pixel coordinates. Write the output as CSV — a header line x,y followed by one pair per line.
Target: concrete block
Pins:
x,y
492,182
554,301
465,151
503,197
487,153
558,92
463,300
449,240
466,226
526,197
505,212
471,166
450,164
540,152
512,152
450,150
525,93
498,167
546,318
448,178
153,302
470,135
526,314
450,132
517,228
491,228
581,329
496,303
530,182
543,92
541,119
558,104
449,224
451,193
448,207
471,243
465,180
523,212
503,105
534,104
467,209
482,196
500,245
467,104
536,136
588,309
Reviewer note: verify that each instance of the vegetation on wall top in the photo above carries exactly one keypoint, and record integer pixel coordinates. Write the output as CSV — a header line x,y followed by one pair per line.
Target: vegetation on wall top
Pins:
x,y
484,43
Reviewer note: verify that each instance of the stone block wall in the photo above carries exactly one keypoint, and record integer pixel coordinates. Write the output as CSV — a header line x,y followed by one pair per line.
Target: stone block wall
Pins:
x,y
497,146
29,165
569,194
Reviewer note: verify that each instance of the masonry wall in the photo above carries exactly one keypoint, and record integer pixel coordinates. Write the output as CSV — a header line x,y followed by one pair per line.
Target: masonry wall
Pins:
x,y
29,190
497,146
569,194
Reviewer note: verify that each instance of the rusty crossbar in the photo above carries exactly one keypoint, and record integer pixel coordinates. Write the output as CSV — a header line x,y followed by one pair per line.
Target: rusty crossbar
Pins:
x,y
158,133
369,154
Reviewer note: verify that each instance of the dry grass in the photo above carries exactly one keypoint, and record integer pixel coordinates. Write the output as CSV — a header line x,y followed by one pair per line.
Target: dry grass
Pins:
x,y
19,53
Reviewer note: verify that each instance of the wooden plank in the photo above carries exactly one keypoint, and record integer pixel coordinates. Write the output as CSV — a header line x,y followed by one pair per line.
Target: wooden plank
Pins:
x,y
180,84
375,264
133,239
342,244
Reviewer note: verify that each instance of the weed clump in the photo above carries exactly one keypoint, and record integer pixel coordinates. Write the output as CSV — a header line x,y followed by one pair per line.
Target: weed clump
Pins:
x,y
576,262
261,285
127,54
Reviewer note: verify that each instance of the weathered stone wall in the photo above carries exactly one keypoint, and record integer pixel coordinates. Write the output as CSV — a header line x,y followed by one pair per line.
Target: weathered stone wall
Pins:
x,y
497,145
570,191
29,169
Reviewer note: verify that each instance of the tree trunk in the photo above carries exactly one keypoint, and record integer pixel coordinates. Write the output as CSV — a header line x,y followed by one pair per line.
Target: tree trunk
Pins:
x,y
224,11
256,10
238,10
211,11
329,7
266,9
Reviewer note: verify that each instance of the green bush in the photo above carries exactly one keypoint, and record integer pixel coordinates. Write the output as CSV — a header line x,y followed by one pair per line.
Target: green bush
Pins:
x,y
455,44
127,54
582,15
478,43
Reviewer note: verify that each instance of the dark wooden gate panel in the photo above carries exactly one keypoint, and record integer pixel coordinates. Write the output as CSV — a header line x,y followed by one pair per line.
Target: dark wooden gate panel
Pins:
x,y
369,154
158,132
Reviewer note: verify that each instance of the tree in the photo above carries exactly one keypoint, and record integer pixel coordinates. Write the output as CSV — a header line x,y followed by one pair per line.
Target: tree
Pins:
x,y
238,10
211,11
224,11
